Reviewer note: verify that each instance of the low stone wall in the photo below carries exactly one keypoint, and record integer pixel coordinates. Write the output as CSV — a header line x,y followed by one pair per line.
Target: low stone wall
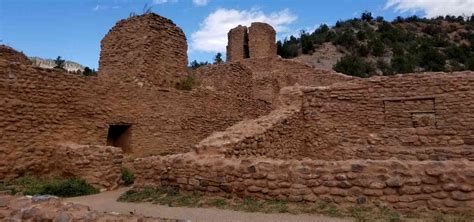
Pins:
x,y
403,185
99,166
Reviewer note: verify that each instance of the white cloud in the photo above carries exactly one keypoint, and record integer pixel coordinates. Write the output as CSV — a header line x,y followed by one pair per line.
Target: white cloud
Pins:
x,y
200,2
212,35
433,8
105,7
158,2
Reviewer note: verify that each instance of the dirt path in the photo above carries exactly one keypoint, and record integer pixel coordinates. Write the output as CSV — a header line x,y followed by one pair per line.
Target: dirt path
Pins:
x,y
107,202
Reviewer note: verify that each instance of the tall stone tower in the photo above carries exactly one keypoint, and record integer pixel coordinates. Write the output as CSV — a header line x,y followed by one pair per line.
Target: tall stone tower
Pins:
x,y
262,40
147,49
237,47
258,41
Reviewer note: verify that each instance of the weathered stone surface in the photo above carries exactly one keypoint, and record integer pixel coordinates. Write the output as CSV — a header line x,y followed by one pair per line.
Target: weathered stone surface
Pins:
x,y
147,49
258,41
333,184
237,46
97,165
262,42
19,208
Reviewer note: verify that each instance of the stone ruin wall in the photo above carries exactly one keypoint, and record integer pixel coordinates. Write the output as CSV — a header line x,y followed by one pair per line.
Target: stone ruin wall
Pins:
x,y
413,117
146,49
237,48
262,40
258,41
50,208
35,115
445,186
41,108
99,166
402,142
269,75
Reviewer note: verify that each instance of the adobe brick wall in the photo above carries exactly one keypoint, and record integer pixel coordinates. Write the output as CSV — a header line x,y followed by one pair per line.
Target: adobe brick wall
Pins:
x,y
257,41
415,117
271,74
147,50
237,46
405,185
13,56
99,166
262,42
40,108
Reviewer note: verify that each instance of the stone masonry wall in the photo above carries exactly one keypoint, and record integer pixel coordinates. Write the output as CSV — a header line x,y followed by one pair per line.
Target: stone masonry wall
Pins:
x,y
403,185
40,108
13,56
262,42
237,46
271,74
146,49
99,166
258,41
416,117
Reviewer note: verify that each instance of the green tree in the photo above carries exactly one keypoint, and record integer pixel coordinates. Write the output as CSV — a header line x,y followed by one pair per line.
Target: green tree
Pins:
x,y
306,43
366,16
218,58
377,48
431,59
354,66
59,63
470,64
89,72
195,64
288,48
402,64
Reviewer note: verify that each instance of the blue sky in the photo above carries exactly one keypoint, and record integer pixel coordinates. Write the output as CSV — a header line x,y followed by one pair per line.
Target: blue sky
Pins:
x,y
73,28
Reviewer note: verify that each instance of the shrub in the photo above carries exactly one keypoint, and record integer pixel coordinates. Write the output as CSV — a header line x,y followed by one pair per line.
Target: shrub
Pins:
x,y
195,64
354,66
402,64
431,59
128,177
218,58
470,64
366,16
70,187
376,47
347,39
59,63
384,67
89,72
363,50
187,83
306,43
288,49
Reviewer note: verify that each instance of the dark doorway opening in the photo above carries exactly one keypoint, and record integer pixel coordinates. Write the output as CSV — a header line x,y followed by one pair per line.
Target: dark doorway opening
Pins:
x,y
119,136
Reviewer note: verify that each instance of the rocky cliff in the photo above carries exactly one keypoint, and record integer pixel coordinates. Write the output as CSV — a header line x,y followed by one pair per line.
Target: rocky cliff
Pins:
x,y
49,64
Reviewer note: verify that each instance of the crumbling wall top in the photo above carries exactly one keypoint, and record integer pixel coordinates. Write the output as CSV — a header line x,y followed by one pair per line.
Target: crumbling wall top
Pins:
x,y
147,49
237,48
262,40
258,41
14,56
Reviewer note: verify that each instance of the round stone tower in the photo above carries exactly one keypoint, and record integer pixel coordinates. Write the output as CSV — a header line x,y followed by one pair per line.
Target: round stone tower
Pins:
x,y
148,49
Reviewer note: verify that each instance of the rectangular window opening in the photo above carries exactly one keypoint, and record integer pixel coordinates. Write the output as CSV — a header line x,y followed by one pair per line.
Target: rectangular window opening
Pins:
x,y
119,136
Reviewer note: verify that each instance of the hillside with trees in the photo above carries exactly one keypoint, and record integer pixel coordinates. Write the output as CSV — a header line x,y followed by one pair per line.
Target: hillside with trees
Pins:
x,y
368,46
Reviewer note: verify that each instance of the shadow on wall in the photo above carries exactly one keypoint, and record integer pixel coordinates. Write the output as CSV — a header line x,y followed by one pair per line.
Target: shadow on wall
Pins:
x,y
120,136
